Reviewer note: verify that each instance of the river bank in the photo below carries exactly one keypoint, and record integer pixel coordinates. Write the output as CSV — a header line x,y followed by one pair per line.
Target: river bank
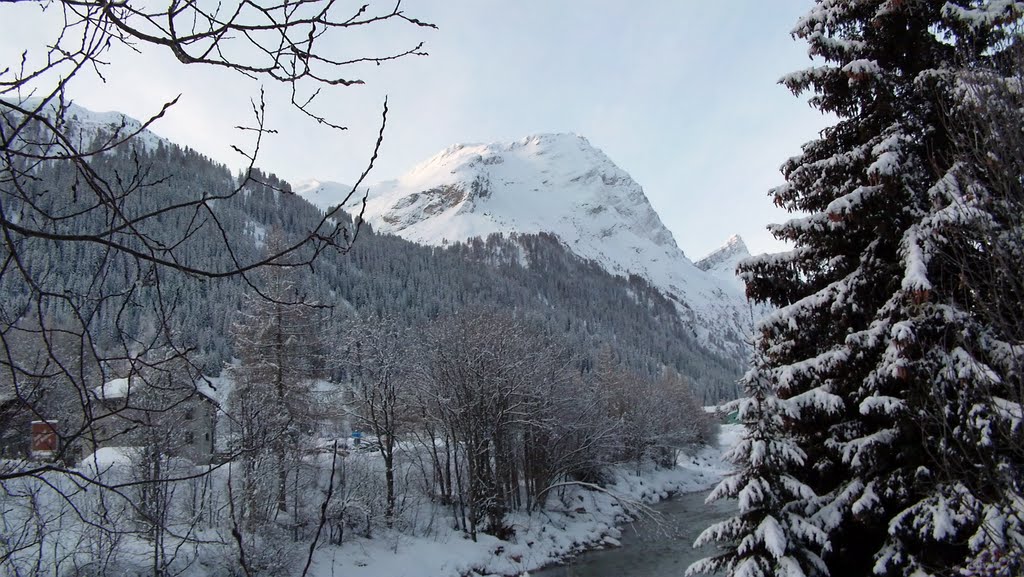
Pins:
x,y
658,547
580,520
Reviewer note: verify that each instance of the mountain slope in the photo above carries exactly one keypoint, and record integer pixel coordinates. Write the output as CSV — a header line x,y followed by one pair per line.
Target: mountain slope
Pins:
x,y
82,126
532,274
562,185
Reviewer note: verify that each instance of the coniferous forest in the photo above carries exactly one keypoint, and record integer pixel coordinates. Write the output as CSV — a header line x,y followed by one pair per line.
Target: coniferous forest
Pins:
x,y
488,376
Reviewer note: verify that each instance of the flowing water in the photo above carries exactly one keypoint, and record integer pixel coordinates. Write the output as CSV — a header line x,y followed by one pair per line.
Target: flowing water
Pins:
x,y
652,548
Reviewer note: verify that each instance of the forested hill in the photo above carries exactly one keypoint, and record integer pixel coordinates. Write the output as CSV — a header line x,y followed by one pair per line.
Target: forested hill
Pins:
x,y
532,274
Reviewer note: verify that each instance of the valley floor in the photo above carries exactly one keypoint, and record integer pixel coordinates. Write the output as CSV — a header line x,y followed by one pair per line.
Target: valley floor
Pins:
x,y
587,521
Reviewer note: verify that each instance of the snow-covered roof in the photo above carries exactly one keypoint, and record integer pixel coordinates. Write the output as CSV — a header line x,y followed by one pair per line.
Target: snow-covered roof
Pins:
x,y
217,389
322,386
113,389
122,388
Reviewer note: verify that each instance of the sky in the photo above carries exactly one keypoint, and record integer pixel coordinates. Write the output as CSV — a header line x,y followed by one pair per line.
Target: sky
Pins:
x,y
682,94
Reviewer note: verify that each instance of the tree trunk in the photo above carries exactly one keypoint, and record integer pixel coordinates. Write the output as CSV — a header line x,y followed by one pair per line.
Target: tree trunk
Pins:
x,y
282,473
389,478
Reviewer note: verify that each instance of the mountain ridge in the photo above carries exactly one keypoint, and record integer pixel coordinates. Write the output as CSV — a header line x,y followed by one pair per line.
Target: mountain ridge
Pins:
x,y
535,275
82,124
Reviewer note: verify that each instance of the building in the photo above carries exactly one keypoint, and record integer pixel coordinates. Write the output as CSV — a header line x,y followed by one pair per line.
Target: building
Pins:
x,y
178,420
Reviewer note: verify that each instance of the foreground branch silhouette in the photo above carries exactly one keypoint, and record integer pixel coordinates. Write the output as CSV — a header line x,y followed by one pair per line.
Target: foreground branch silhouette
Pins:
x,y
106,233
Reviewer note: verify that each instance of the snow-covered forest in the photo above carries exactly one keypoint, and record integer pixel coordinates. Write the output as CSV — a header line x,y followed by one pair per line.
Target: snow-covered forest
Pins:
x,y
204,374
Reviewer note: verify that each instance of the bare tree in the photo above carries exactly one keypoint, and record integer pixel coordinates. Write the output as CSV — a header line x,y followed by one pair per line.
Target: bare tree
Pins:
x,y
86,200
99,212
481,372
380,365
656,417
506,406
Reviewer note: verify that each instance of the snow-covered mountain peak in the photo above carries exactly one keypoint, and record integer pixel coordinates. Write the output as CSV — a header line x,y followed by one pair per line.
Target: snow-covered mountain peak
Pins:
x,y
735,241
324,195
556,183
545,144
733,250
562,185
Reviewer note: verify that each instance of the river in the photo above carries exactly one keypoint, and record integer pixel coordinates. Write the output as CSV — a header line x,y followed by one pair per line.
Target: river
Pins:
x,y
661,548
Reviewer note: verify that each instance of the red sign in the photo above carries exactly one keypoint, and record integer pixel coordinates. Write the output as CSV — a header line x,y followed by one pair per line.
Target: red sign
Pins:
x,y
44,438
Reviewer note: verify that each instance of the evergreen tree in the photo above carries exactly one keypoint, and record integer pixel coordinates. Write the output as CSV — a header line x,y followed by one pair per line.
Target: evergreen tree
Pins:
x,y
973,246
773,535
893,387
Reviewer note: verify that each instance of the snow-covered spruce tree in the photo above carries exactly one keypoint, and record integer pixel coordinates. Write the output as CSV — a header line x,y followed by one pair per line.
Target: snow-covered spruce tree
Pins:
x,y
771,535
887,377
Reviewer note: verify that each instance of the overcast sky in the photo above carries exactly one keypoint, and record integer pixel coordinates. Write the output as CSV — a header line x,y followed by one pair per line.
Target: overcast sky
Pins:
x,y
681,94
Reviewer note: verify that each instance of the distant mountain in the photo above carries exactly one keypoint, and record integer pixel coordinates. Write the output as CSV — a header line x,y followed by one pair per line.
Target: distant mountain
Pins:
x,y
562,185
323,195
533,274
722,261
83,126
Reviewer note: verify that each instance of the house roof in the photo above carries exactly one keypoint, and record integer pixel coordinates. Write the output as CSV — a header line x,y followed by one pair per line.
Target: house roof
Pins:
x,y
114,389
122,388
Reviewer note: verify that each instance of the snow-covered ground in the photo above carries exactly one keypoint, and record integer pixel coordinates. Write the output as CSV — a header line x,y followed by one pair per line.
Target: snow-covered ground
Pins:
x,y
38,520
584,520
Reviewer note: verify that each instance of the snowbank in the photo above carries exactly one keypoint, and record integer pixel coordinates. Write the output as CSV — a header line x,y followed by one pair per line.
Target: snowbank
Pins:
x,y
585,519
